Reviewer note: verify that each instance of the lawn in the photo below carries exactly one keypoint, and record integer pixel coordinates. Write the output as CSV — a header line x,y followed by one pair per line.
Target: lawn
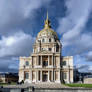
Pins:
x,y
79,85
2,84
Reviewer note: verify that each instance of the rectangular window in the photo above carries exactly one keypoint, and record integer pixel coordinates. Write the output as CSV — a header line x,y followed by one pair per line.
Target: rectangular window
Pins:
x,y
49,40
50,60
39,60
50,76
27,63
39,75
43,40
65,75
64,63
26,75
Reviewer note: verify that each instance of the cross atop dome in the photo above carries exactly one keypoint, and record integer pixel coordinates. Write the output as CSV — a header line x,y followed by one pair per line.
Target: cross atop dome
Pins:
x,y
47,22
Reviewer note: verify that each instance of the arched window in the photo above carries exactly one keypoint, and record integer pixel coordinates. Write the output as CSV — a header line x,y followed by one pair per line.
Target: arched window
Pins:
x,y
27,63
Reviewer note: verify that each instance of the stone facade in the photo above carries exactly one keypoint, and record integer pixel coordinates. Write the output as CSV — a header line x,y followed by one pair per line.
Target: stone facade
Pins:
x,y
88,79
46,63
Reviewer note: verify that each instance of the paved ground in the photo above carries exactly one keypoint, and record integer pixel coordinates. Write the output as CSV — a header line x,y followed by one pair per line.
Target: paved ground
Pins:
x,y
38,85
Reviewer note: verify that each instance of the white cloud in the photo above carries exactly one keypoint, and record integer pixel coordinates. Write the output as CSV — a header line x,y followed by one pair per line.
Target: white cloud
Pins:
x,y
13,42
16,45
76,15
14,12
72,27
89,56
81,64
11,47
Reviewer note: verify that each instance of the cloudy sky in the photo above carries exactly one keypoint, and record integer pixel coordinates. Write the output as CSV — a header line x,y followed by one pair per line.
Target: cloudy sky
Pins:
x,y
21,20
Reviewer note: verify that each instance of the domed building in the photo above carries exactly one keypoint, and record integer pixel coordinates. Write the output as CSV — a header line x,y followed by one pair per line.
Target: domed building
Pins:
x,y
46,63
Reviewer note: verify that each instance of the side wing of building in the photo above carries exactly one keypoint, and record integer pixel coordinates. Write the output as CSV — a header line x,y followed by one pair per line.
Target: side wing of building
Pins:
x,y
67,69
24,68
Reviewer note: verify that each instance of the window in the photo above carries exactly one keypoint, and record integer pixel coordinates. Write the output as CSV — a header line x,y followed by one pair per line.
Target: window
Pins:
x,y
64,63
26,75
65,75
55,40
39,75
50,49
45,63
43,40
57,48
39,61
27,63
49,40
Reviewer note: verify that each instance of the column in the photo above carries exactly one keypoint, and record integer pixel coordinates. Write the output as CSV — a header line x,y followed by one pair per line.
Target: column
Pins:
x,y
59,75
52,60
37,60
37,76
48,76
48,60
21,75
31,75
52,76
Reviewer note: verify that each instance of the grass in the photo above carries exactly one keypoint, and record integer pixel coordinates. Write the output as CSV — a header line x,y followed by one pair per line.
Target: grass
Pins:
x,y
79,85
2,84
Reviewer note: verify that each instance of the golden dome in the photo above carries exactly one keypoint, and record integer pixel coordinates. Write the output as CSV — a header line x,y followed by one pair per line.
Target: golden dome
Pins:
x,y
47,31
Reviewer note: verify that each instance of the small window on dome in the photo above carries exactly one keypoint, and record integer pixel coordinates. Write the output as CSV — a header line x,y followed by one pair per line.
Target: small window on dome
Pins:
x,y
50,40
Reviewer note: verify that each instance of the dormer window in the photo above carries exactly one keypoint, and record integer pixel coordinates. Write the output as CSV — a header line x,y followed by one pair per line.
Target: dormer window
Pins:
x,y
50,40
